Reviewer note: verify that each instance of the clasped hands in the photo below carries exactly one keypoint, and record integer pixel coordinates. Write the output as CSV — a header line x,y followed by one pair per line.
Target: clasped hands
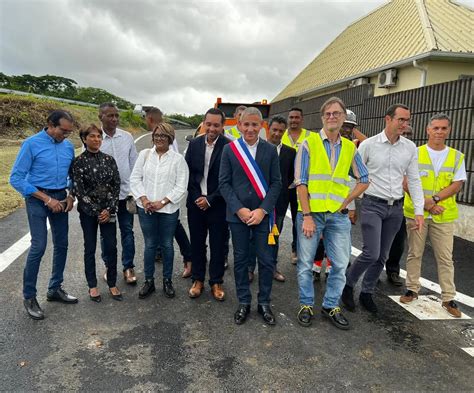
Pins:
x,y
202,203
57,206
251,217
149,206
432,207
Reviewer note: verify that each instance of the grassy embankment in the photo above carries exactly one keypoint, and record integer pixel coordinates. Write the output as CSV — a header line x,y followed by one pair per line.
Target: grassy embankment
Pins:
x,y
23,116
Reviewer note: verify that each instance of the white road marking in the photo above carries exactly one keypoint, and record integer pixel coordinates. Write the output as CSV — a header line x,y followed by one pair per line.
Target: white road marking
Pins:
x,y
427,308
432,286
142,136
470,351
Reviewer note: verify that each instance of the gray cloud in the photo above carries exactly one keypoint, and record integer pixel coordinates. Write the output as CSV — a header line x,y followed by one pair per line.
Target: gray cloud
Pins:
x,y
179,55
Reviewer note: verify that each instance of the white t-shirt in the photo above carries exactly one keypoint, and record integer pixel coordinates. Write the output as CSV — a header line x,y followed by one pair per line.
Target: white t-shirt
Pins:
x,y
438,157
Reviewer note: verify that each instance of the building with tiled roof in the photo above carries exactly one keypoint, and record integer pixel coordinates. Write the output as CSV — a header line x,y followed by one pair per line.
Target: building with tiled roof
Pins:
x,y
401,45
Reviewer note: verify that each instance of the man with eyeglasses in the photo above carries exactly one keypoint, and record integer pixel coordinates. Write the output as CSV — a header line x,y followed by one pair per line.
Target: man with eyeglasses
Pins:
x,y
323,165
40,174
389,157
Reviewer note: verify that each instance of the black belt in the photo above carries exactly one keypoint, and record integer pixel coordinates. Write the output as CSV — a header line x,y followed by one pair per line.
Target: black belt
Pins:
x,y
384,201
50,190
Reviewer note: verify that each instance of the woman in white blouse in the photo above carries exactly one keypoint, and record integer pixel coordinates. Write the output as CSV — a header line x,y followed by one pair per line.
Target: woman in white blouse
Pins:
x,y
158,182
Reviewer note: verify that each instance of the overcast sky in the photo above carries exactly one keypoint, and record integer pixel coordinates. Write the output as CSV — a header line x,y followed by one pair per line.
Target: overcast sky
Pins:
x,y
178,55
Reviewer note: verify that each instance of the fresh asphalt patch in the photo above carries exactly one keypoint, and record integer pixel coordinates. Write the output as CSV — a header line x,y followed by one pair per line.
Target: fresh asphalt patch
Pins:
x,y
192,344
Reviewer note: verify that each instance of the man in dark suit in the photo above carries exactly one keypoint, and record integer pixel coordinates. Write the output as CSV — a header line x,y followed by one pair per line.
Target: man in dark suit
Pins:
x,y
250,183
206,207
287,155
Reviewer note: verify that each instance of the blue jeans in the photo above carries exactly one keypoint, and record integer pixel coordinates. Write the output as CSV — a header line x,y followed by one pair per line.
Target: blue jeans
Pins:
x,y
336,231
158,229
127,238
38,213
241,235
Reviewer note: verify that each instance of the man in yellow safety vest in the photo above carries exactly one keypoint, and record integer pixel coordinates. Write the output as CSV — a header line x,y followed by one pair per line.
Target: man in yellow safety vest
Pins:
x,y
322,168
442,173
233,133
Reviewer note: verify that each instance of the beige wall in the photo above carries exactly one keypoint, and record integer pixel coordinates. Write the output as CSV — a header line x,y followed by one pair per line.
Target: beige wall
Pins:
x,y
438,72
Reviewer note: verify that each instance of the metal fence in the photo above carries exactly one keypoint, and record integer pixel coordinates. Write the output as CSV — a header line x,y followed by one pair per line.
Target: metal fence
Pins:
x,y
455,98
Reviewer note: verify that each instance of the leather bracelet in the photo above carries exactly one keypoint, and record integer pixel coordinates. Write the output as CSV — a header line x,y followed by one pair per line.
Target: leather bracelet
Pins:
x,y
306,214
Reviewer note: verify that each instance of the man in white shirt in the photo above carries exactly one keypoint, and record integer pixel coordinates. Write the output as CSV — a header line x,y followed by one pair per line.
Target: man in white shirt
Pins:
x,y
388,157
120,145
442,173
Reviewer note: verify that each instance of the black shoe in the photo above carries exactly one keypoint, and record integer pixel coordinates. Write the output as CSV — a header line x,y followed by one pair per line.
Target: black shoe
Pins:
x,y
367,302
60,295
33,309
96,299
347,298
241,314
147,289
266,312
305,315
168,288
117,297
316,276
336,317
394,278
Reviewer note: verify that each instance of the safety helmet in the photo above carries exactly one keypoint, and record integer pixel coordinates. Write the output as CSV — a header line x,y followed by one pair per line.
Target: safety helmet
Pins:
x,y
351,117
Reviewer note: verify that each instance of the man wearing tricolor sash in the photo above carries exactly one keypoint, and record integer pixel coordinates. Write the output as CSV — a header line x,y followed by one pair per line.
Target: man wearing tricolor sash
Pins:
x,y
250,183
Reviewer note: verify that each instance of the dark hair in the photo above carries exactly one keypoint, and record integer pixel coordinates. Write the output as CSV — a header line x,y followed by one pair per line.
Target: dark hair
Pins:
x,y
440,116
278,119
153,111
106,105
87,130
215,111
393,108
296,109
55,116
330,101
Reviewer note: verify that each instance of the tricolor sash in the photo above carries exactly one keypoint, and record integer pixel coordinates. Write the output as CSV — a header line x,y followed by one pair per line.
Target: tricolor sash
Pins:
x,y
255,176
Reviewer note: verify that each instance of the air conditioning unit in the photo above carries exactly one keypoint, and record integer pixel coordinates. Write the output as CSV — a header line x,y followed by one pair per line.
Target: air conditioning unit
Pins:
x,y
358,82
388,78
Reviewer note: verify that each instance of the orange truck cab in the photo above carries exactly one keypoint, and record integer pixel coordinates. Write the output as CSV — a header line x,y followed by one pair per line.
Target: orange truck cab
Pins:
x,y
229,109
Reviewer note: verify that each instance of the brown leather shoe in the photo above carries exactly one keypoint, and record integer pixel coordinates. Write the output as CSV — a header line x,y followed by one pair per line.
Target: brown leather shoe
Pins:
x,y
129,276
278,276
218,292
196,289
187,270
452,308
408,297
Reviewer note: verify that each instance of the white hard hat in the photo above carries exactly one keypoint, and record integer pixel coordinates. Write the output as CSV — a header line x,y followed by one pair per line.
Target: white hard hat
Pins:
x,y
351,117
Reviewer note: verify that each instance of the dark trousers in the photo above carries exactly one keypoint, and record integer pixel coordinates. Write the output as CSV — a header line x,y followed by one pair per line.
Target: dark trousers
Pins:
x,y
253,252
241,234
200,224
38,214
184,244
294,212
396,251
127,238
108,234
320,251
380,223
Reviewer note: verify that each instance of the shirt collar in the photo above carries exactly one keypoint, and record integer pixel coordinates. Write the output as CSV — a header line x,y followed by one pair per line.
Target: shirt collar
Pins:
x,y
324,137
384,139
213,143
251,146
48,136
105,135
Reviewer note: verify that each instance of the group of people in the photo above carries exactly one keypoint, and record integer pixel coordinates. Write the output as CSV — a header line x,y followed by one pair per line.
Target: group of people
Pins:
x,y
235,179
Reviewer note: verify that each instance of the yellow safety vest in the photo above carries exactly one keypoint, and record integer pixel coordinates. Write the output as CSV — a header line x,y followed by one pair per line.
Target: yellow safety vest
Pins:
x,y
232,133
327,189
433,184
286,139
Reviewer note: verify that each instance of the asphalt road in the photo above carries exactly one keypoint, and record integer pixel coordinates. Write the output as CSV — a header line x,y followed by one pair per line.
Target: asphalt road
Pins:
x,y
183,344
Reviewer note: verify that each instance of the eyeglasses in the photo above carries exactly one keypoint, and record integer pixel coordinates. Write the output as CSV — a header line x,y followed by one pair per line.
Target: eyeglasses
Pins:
x,y
336,115
160,136
402,120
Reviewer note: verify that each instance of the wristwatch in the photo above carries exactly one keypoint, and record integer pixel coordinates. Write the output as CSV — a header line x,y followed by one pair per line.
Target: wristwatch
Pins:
x,y
163,202
344,211
306,214
436,198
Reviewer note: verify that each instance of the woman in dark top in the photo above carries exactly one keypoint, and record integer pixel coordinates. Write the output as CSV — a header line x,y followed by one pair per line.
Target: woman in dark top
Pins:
x,y
96,184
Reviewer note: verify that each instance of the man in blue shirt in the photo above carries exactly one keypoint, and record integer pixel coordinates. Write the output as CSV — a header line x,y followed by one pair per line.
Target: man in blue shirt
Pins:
x,y
40,174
